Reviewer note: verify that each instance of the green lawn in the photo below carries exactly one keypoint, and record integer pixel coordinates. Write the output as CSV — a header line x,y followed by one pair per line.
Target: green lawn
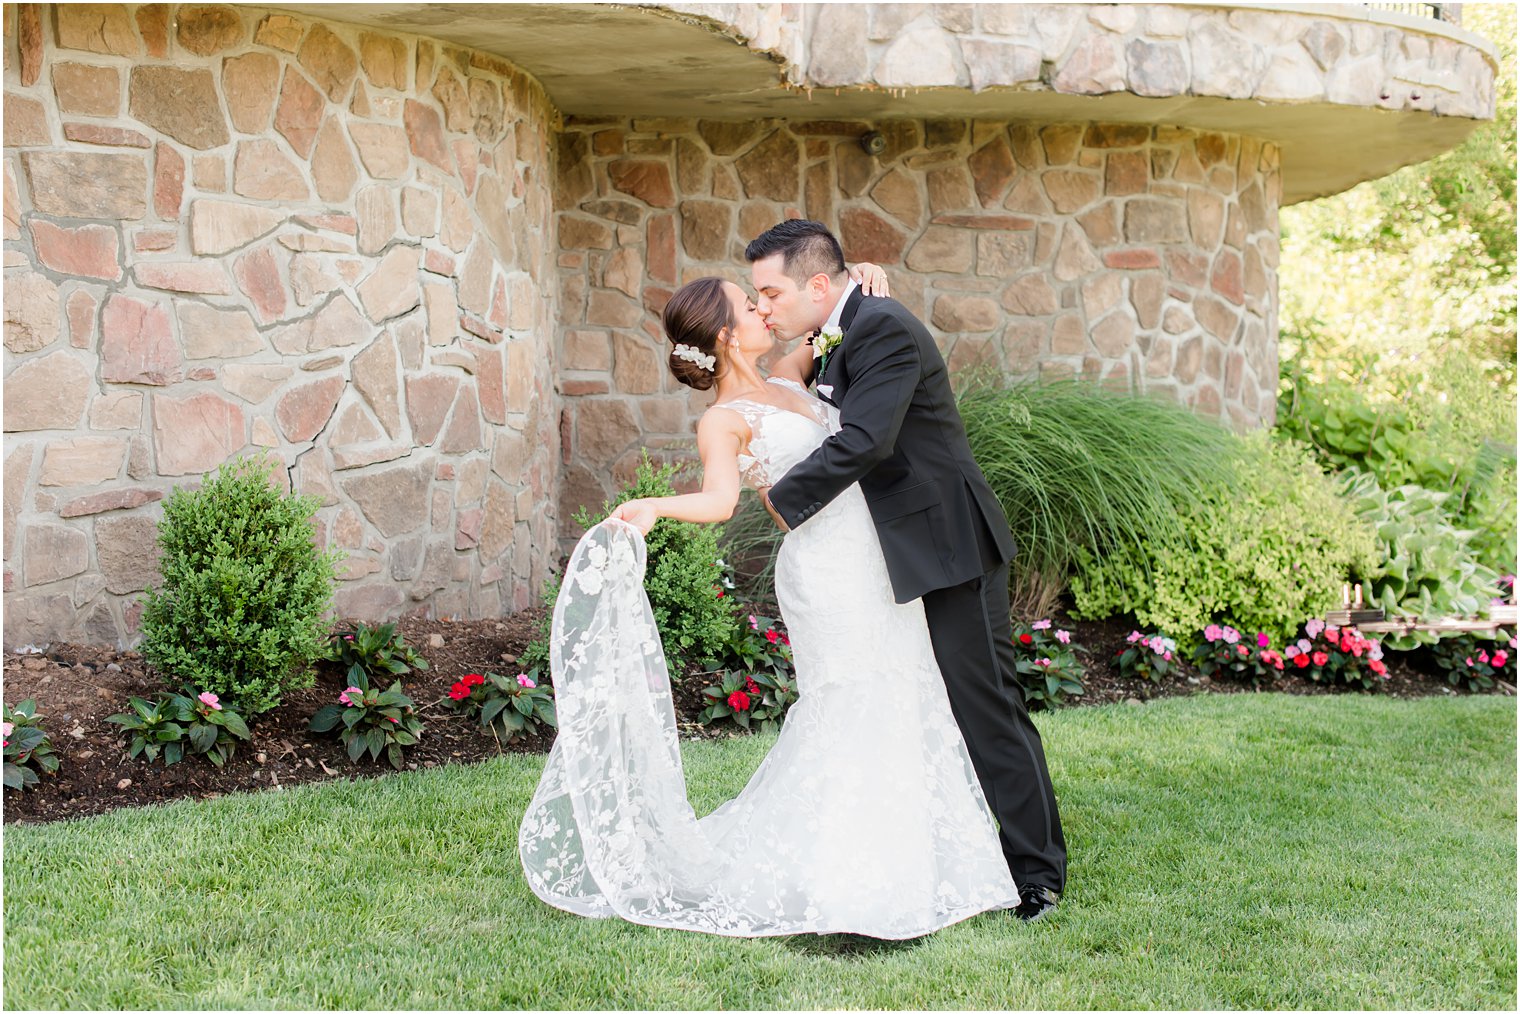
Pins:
x,y
1240,851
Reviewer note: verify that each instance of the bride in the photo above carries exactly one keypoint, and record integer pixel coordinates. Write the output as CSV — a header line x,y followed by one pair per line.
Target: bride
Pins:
x,y
866,816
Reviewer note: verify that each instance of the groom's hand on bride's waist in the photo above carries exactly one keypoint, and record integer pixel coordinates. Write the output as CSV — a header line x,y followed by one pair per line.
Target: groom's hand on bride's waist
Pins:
x,y
765,498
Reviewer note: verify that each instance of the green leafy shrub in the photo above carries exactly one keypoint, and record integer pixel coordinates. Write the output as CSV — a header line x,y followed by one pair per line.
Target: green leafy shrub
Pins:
x,y
28,749
1449,429
1259,556
683,576
1426,567
508,706
1080,469
240,612
374,720
373,651
176,723
1347,429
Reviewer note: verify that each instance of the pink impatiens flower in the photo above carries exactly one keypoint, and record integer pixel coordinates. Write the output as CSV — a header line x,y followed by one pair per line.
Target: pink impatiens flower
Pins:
x,y
350,702
210,700
1313,627
1212,632
1135,635
1064,636
524,680
1231,635
1320,658
1500,658
1042,661
1040,625
1262,640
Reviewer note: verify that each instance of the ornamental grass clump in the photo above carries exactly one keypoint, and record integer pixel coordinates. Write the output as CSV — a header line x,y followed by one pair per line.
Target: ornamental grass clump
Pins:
x,y
240,611
1083,471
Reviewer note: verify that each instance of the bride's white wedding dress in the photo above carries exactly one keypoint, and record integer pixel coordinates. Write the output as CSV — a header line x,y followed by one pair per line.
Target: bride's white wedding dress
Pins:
x,y
865,817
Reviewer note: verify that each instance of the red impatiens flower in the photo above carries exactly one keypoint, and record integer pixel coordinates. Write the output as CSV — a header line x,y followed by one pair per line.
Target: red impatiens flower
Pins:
x,y
738,700
1301,660
772,636
1320,658
750,685
1026,639
473,679
459,691
1378,667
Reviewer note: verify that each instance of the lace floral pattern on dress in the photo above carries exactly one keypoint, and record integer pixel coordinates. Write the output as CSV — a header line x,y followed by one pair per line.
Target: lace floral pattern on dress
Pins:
x,y
861,819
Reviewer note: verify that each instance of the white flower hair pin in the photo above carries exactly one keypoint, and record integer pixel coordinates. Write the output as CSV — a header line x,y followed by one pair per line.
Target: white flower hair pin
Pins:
x,y
695,355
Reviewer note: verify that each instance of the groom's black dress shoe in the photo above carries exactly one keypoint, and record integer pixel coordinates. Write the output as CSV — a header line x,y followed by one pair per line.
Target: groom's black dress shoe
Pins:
x,y
1036,902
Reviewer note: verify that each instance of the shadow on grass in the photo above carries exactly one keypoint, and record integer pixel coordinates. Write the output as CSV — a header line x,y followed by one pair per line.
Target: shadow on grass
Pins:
x,y
849,945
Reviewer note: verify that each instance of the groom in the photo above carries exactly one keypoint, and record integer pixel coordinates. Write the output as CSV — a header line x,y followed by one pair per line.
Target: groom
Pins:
x,y
942,530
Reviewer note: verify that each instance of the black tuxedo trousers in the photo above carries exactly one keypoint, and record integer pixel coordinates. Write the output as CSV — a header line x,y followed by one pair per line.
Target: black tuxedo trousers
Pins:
x,y
973,643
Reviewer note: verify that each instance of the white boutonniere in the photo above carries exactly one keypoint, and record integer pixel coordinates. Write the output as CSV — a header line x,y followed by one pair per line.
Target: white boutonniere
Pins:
x,y
826,341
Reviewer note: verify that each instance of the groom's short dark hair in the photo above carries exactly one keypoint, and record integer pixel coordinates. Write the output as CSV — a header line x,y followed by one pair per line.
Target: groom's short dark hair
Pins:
x,y
807,248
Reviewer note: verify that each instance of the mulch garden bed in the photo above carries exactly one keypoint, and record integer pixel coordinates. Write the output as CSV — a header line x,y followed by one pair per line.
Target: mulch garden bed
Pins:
x,y
77,686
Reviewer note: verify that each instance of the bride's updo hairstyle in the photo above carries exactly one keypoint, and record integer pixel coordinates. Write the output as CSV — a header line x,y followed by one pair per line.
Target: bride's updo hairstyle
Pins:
x,y
693,318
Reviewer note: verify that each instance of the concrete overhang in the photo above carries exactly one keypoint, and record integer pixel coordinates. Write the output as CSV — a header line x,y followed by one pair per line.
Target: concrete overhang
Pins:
x,y
1347,93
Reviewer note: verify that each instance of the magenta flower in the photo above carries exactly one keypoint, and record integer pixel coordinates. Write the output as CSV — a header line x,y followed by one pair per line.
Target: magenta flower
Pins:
x,y
523,680
1482,656
210,700
350,702
1500,658
1262,641
1042,661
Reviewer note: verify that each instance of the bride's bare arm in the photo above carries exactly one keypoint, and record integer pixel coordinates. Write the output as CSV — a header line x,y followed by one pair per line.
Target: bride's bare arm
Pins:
x,y
798,364
720,435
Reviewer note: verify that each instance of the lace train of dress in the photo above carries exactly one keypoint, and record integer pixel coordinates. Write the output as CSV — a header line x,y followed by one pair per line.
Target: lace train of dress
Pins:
x,y
865,816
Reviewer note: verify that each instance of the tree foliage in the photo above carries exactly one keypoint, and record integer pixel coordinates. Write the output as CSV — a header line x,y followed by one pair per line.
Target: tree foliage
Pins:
x,y
1388,279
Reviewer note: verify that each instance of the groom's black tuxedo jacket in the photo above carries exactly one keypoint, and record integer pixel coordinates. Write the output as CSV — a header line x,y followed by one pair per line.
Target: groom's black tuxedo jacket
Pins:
x,y
903,440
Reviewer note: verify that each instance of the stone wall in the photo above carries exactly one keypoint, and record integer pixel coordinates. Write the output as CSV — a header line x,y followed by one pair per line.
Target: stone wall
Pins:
x,y
227,231
1141,256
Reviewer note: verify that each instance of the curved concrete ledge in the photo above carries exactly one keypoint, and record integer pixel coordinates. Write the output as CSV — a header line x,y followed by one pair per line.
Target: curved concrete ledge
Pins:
x,y
1348,93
